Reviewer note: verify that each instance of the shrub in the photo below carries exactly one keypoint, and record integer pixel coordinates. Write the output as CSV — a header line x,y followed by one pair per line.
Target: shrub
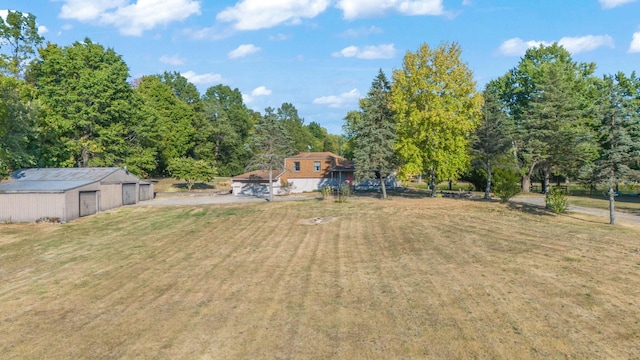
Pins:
x,y
506,183
326,192
286,186
344,191
556,200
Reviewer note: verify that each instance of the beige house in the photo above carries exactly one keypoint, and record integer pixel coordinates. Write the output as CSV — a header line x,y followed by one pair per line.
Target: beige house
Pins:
x,y
307,171
68,193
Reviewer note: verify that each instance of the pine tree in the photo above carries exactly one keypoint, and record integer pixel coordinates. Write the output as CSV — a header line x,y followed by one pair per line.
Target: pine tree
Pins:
x,y
619,134
375,134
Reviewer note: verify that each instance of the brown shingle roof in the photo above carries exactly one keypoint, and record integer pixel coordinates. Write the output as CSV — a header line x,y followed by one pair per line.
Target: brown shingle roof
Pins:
x,y
325,155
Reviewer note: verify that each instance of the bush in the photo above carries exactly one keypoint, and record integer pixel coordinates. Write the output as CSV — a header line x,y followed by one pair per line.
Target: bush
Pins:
x,y
556,200
344,191
326,192
286,186
506,183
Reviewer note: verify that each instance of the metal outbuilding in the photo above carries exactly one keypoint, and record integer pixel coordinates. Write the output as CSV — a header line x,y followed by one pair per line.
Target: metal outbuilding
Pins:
x,y
64,194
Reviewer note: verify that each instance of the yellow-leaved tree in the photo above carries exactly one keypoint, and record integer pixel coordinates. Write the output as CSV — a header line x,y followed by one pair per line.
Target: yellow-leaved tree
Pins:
x,y
437,108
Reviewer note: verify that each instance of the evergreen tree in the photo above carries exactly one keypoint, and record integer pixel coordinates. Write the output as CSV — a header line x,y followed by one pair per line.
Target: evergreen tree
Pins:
x,y
492,137
619,111
547,98
375,134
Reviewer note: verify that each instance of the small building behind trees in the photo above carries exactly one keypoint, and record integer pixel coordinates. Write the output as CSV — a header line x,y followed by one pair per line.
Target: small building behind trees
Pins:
x,y
64,194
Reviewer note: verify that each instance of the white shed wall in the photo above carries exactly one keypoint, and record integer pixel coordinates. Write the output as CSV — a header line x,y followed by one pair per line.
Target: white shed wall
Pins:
x,y
32,206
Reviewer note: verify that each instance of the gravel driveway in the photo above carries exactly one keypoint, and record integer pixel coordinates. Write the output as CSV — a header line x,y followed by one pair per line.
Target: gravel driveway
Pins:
x,y
620,216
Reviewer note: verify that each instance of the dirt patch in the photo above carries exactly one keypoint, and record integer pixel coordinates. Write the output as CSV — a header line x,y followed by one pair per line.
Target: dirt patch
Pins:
x,y
317,220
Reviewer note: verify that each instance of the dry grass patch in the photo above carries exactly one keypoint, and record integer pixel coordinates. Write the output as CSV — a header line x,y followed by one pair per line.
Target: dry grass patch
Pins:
x,y
405,278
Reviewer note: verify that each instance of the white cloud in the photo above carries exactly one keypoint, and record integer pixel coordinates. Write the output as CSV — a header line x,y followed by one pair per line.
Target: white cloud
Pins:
x,y
261,14
384,51
130,18
338,101
353,9
203,79
635,43
42,30
3,14
261,91
610,4
279,37
586,43
172,60
243,50
362,31
575,45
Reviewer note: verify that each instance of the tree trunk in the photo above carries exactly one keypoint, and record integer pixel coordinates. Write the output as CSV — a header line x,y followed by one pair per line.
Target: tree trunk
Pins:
x,y
526,183
547,175
383,186
270,185
612,202
450,185
432,180
487,191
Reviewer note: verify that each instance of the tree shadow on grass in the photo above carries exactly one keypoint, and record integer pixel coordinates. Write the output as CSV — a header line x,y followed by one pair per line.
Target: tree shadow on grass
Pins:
x,y
529,208
196,186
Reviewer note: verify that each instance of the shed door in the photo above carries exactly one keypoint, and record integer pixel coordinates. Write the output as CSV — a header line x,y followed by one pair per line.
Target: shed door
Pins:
x,y
128,194
145,191
88,203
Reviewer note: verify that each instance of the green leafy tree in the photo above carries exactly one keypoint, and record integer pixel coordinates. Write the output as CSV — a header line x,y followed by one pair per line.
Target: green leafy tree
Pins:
x,y
270,145
86,101
182,88
619,134
437,108
547,97
170,121
226,128
375,134
191,170
19,40
492,137
301,137
19,115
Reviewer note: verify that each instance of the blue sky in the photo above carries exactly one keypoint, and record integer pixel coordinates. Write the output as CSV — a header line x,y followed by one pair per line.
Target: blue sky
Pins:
x,y
321,55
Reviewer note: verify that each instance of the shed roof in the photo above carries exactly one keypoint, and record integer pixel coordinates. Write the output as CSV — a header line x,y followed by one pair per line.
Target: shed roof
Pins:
x,y
41,186
63,174
54,179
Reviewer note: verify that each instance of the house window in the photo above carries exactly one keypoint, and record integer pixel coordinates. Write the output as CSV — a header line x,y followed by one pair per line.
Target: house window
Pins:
x,y
316,166
296,166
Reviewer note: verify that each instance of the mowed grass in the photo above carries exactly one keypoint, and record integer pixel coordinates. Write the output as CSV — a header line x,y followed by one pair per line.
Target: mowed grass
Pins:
x,y
368,279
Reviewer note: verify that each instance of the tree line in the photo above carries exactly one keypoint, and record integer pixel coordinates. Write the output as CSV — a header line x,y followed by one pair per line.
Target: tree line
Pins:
x,y
547,117
76,106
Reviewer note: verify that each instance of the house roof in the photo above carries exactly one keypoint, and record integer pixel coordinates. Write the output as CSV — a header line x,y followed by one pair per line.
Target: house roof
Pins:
x,y
325,155
53,179
258,175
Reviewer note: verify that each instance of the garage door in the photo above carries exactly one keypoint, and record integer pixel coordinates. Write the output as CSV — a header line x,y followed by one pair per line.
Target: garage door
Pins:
x,y
145,192
128,194
88,203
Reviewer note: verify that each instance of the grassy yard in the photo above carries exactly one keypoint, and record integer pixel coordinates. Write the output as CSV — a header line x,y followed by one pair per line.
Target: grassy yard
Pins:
x,y
368,279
